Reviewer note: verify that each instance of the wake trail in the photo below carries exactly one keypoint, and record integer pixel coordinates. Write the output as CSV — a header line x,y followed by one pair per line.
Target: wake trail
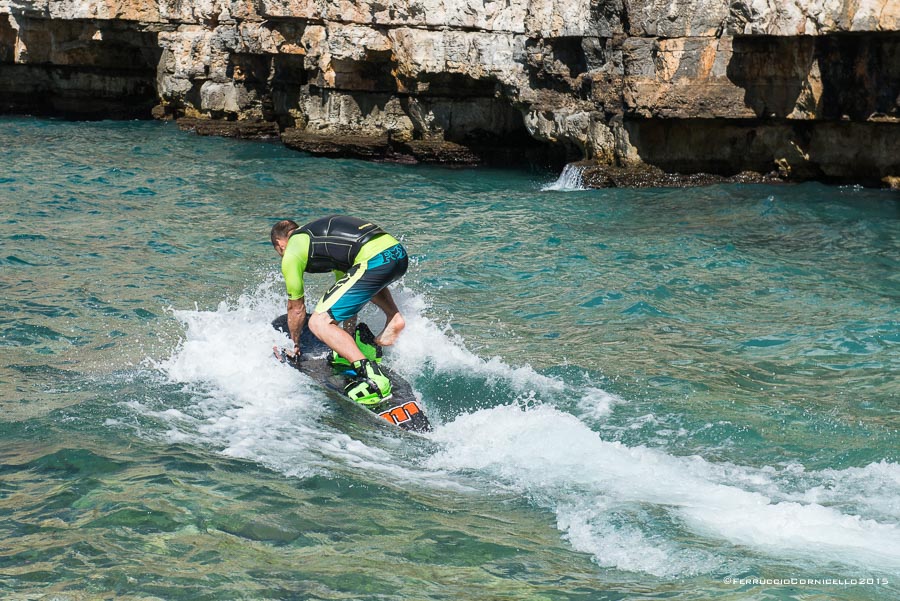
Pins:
x,y
631,508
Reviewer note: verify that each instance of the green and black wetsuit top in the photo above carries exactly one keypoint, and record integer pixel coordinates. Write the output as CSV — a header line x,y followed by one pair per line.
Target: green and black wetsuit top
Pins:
x,y
332,243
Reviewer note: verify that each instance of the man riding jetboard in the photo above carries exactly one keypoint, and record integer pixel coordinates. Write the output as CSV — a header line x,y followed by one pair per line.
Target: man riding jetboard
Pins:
x,y
365,260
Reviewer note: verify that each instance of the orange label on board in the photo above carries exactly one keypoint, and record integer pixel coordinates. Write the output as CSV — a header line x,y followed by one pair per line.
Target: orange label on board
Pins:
x,y
401,413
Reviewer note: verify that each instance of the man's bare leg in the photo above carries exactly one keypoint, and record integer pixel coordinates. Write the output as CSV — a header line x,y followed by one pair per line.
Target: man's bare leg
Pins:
x,y
328,331
394,322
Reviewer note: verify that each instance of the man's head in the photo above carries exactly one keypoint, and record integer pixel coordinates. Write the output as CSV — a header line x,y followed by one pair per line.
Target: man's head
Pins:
x,y
280,234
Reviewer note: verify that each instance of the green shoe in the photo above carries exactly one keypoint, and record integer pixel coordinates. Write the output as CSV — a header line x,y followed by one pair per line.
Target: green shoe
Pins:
x,y
338,362
371,386
365,340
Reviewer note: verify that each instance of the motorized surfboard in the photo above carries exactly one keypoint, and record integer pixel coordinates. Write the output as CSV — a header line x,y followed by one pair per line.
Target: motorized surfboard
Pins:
x,y
401,409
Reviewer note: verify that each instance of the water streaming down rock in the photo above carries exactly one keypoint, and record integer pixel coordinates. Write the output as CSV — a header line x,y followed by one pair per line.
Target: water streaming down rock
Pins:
x,y
569,180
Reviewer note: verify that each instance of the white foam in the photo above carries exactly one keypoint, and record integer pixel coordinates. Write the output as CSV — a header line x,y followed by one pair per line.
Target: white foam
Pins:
x,y
874,488
553,457
249,406
424,342
596,404
246,405
568,181
588,527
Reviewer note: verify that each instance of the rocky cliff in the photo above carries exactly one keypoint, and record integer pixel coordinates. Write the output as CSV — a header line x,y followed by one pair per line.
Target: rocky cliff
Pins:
x,y
809,89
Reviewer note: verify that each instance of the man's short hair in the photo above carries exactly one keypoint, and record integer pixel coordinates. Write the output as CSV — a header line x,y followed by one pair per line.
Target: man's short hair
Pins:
x,y
282,229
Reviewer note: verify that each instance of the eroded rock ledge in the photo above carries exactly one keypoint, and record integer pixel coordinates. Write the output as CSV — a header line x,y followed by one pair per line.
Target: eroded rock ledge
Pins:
x,y
802,89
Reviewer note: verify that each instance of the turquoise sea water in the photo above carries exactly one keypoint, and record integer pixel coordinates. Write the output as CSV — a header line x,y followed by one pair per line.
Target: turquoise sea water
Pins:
x,y
638,394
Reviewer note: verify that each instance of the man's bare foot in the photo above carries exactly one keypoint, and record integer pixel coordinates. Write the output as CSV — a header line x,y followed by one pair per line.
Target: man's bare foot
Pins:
x,y
391,331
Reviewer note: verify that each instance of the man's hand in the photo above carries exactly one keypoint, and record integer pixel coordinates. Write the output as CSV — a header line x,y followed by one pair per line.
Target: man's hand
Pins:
x,y
286,356
293,358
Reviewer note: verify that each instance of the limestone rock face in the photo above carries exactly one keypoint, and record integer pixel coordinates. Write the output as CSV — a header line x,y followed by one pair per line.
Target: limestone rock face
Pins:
x,y
804,17
806,88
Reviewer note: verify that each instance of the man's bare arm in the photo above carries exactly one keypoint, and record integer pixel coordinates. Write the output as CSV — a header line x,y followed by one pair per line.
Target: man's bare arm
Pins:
x,y
296,316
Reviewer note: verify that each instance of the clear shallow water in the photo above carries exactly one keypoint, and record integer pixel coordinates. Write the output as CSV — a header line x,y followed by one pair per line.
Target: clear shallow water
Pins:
x,y
638,394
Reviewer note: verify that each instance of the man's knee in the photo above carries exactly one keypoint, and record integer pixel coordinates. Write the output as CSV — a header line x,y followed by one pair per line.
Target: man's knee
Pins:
x,y
318,321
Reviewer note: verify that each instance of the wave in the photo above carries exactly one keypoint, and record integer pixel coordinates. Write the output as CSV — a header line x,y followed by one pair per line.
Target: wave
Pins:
x,y
555,459
633,508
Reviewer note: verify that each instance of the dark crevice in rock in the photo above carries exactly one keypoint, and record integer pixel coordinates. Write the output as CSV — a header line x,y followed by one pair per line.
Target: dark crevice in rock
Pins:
x,y
556,63
76,92
860,75
372,73
77,69
7,40
840,76
459,131
515,152
836,152
453,85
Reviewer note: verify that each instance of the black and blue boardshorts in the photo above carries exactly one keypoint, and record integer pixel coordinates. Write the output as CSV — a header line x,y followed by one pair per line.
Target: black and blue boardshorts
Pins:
x,y
363,281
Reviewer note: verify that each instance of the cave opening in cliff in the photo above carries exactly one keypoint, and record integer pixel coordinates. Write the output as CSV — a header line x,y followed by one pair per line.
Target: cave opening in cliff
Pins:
x,y
556,63
373,73
477,113
288,79
688,146
832,151
455,85
78,69
495,130
8,36
844,76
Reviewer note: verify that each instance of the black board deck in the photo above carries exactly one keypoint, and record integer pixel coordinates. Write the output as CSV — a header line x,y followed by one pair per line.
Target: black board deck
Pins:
x,y
402,409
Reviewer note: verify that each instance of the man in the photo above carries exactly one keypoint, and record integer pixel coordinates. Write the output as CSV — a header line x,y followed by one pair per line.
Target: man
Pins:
x,y
364,259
